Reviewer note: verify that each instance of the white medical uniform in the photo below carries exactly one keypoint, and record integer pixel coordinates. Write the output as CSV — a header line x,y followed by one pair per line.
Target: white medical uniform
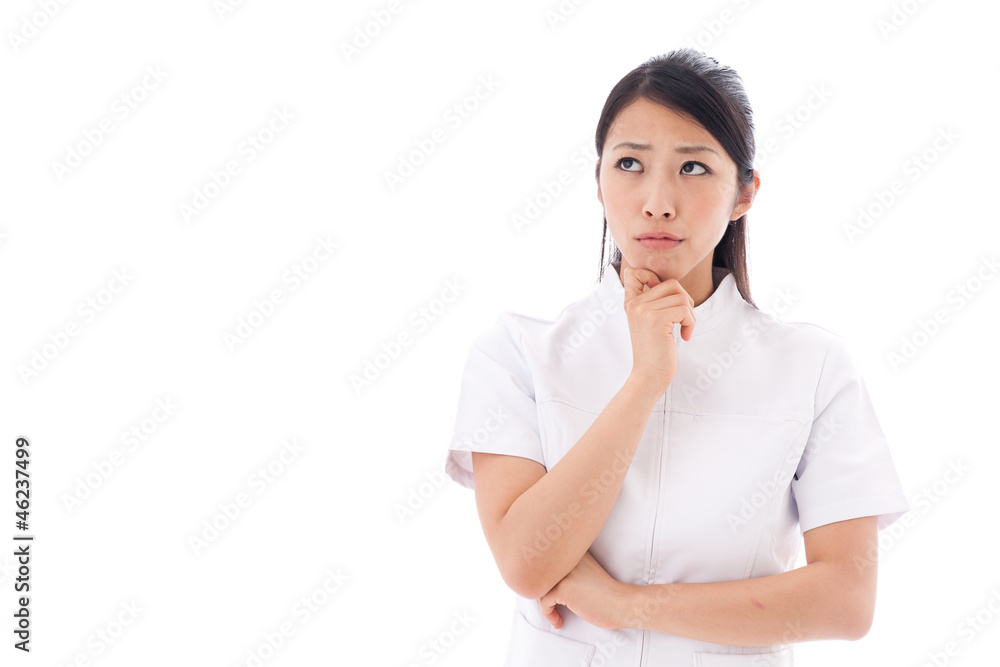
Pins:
x,y
766,430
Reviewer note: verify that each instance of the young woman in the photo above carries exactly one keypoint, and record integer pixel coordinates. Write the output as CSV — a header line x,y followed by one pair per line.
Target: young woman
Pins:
x,y
647,464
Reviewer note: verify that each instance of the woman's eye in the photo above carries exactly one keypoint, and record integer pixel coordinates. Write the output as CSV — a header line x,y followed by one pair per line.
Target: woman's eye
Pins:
x,y
626,163
628,160
697,164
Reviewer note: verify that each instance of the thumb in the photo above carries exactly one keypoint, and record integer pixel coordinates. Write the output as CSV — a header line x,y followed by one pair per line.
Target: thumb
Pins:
x,y
549,612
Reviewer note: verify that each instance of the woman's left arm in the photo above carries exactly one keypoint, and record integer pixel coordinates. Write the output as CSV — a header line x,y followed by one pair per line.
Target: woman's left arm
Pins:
x,y
831,597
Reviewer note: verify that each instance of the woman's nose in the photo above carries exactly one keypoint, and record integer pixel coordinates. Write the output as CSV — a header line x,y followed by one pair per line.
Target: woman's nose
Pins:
x,y
659,201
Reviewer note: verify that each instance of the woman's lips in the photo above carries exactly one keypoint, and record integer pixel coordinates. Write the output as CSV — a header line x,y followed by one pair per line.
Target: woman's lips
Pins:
x,y
659,244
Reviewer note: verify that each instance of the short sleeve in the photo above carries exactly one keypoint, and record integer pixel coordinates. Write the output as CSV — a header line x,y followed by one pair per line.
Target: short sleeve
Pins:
x,y
846,470
496,404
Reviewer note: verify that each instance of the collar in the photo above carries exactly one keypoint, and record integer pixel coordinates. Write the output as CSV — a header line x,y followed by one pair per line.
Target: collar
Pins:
x,y
718,307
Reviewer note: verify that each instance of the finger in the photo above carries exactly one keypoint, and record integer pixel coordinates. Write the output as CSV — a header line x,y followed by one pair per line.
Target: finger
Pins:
x,y
634,279
550,613
664,297
679,314
687,325
658,290
640,281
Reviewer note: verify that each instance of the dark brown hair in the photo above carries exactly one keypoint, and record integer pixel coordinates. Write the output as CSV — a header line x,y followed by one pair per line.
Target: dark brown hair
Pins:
x,y
694,85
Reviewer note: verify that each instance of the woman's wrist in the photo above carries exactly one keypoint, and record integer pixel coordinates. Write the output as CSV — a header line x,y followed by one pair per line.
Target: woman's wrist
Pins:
x,y
644,386
626,602
637,606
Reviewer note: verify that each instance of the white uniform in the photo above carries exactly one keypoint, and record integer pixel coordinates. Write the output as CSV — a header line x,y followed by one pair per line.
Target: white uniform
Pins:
x,y
766,430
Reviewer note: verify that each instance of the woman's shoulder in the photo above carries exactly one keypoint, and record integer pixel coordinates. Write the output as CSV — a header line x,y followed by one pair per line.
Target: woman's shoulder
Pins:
x,y
795,338
523,327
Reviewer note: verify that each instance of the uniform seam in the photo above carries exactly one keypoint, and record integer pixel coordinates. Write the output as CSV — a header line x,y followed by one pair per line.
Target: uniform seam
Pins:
x,y
822,371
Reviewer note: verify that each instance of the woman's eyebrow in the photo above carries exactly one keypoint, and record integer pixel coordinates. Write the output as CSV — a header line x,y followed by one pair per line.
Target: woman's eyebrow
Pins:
x,y
680,148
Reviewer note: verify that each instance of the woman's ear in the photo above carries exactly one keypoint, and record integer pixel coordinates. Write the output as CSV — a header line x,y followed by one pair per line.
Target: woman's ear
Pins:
x,y
745,197
597,176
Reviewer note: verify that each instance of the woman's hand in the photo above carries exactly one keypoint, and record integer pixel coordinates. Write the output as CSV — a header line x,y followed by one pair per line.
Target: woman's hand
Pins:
x,y
590,593
654,308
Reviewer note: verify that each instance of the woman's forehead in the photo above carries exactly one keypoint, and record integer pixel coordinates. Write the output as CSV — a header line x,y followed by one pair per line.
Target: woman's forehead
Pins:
x,y
646,122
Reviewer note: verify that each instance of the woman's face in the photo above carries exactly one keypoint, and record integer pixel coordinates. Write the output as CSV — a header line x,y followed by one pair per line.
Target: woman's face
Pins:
x,y
679,181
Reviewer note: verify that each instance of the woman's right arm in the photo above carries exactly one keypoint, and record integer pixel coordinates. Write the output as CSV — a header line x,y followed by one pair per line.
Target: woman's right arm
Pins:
x,y
521,506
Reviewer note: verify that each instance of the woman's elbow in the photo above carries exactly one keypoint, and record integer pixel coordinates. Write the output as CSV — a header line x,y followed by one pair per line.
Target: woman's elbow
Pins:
x,y
858,625
520,584
525,578
858,618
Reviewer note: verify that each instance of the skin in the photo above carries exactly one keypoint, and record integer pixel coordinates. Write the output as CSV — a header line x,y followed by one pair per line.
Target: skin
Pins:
x,y
831,597
693,196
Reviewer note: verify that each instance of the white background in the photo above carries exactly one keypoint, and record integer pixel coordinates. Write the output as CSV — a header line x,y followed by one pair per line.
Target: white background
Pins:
x,y
334,506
